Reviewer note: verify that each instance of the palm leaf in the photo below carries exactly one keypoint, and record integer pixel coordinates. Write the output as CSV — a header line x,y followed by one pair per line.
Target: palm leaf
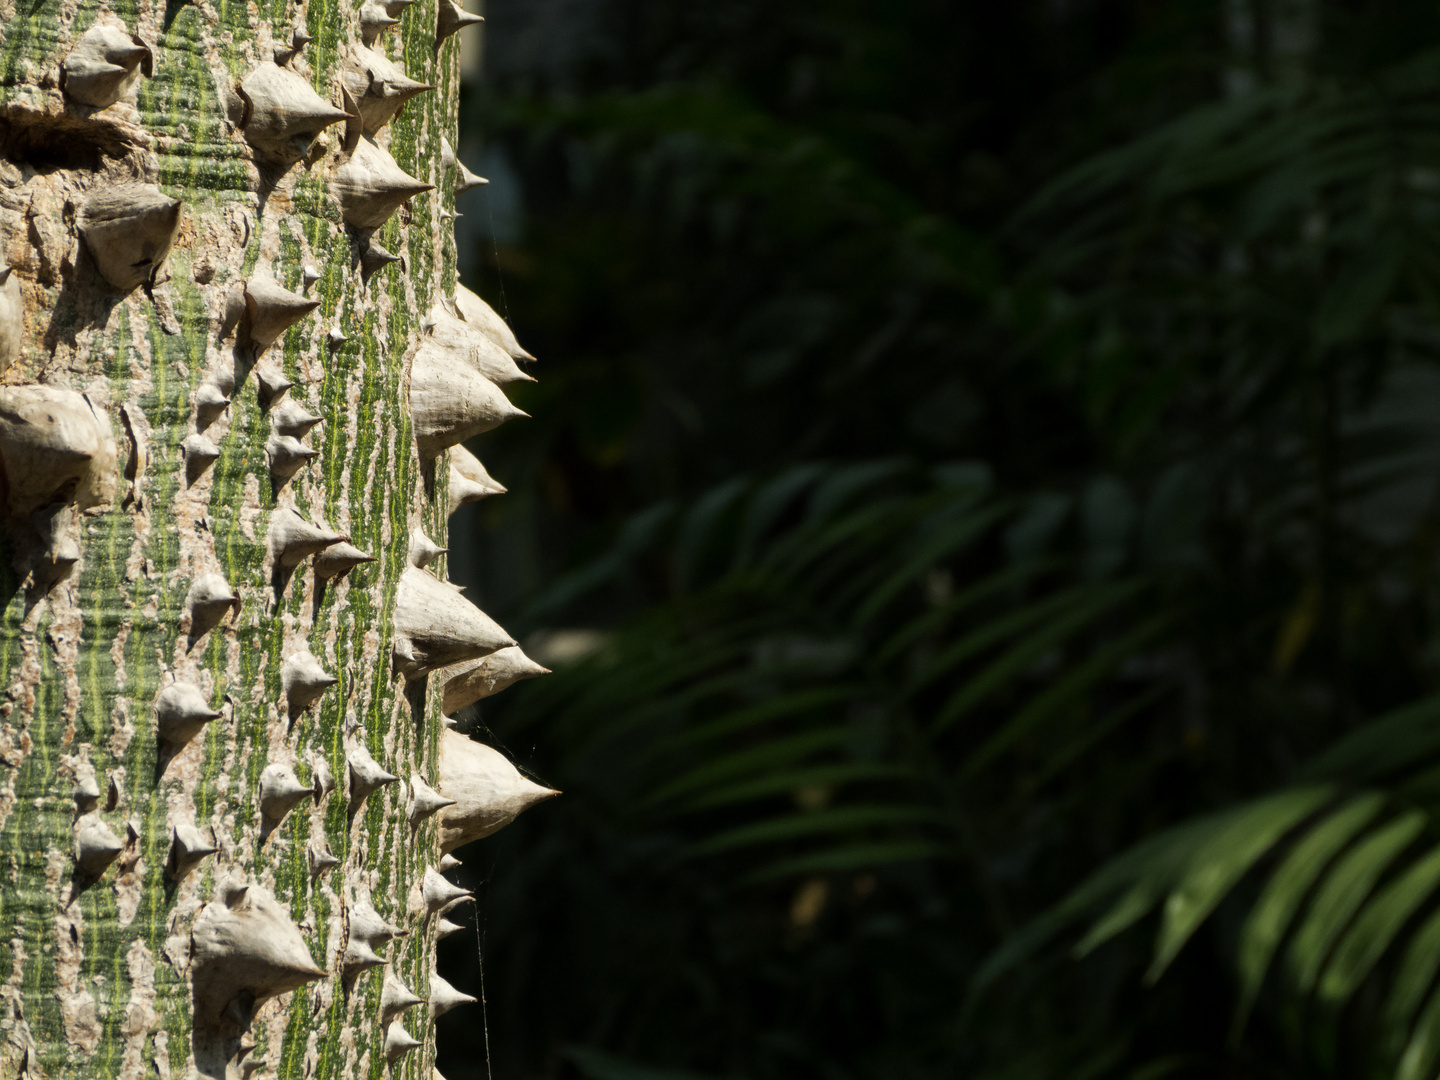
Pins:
x,y
1376,928
787,781
1065,693
1422,1052
1330,896
775,708
852,857
1415,976
1219,864
1084,607
771,753
1342,892
994,586
798,826
1285,892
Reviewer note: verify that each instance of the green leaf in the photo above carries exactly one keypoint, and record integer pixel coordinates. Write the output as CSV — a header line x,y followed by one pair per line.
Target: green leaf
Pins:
x,y
797,826
847,483
1158,1070
1154,862
1064,694
893,562
1375,928
751,759
1271,916
1220,863
935,618
783,783
1418,967
698,531
639,533
767,505
1132,907
1422,1051
851,540
857,857
638,685
1060,757
796,703
919,562
1381,748
1344,890
990,632
1087,607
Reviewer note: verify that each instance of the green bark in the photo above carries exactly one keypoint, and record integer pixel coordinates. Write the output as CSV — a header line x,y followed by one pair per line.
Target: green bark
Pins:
x,y
93,975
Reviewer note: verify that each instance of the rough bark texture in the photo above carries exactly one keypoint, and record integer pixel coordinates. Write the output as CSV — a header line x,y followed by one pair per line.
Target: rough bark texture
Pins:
x,y
97,970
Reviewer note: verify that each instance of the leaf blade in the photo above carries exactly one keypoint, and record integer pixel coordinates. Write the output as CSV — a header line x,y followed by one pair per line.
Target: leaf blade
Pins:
x,y
1218,866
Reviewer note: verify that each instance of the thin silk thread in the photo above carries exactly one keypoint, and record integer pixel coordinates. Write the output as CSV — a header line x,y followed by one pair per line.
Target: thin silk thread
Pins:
x,y
495,246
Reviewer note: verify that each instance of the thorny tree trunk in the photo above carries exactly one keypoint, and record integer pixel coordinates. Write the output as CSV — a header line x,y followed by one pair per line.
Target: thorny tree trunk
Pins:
x,y
229,423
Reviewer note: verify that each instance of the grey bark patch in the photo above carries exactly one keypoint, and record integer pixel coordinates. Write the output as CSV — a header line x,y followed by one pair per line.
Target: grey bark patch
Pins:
x,y
468,480
371,186
378,87
304,681
129,230
55,446
96,847
280,792
450,402
444,997
476,680
12,317
435,626
105,65
282,114
366,776
488,790
245,950
270,310
451,19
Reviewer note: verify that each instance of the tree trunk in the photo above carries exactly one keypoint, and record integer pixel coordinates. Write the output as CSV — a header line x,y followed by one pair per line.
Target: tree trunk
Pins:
x,y
192,657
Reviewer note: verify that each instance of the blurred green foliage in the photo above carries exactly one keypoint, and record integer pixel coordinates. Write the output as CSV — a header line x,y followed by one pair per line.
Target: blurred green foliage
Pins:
x,y
999,446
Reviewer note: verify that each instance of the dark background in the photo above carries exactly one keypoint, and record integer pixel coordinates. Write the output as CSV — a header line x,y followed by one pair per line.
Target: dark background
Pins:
x,y
970,439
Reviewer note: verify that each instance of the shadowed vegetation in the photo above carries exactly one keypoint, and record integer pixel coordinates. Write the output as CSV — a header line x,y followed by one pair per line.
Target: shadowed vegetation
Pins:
x,y
993,450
